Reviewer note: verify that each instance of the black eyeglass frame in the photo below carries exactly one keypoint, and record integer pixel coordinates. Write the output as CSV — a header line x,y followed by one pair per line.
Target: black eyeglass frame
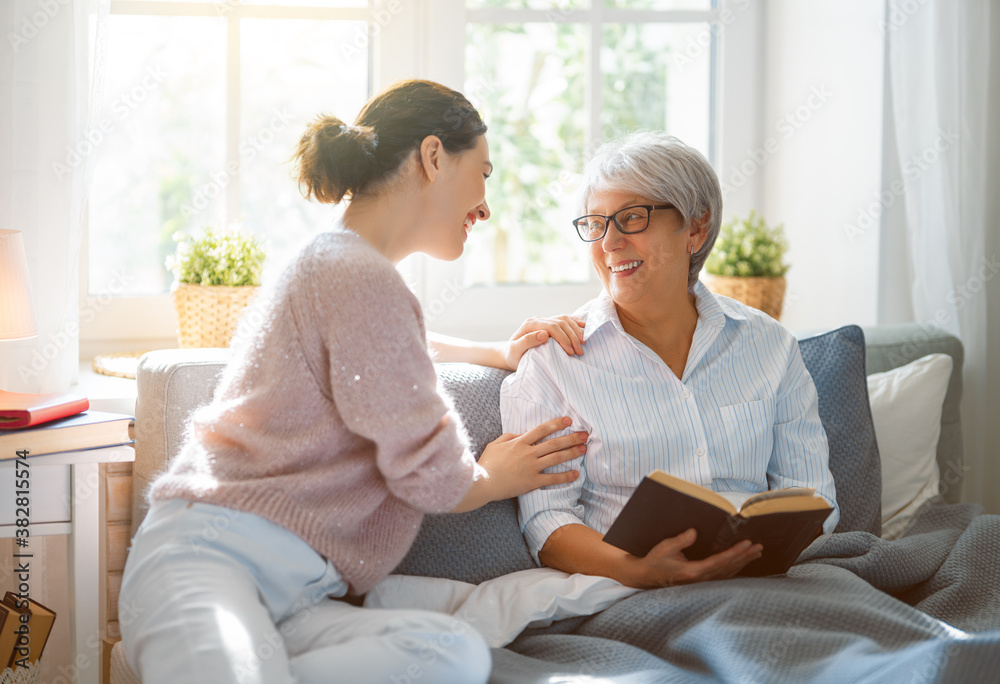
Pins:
x,y
650,208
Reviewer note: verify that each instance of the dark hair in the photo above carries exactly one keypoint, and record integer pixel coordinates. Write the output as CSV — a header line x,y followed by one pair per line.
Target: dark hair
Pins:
x,y
336,160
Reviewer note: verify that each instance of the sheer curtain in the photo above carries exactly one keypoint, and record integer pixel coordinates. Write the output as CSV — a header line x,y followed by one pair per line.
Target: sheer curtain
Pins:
x,y
940,243
50,79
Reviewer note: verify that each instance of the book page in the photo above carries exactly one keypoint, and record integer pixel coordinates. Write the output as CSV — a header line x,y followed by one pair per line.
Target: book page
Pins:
x,y
802,499
783,504
737,499
741,499
694,490
778,493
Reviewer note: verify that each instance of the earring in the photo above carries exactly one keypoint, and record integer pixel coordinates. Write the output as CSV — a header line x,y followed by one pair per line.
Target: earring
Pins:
x,y
691,250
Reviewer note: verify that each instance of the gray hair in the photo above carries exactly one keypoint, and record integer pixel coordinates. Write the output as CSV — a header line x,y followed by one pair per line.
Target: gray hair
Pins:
x,y
663,169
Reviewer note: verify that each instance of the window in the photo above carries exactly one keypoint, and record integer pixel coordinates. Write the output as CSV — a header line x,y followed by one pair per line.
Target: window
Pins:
x,y
554,80
553,84
206,98
203,104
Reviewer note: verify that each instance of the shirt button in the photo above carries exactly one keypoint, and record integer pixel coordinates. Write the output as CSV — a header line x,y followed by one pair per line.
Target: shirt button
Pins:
x,y
685,394
699,452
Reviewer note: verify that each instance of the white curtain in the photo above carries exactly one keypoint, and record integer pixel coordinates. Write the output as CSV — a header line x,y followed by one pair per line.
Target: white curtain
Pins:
x,y
940,246
50,77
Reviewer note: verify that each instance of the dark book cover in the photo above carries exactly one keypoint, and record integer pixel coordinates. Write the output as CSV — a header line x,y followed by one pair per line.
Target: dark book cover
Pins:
x,y
40,621
656,512
8,635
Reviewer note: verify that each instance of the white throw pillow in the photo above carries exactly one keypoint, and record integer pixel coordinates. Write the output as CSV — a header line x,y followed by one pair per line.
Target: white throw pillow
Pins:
x,y
906,409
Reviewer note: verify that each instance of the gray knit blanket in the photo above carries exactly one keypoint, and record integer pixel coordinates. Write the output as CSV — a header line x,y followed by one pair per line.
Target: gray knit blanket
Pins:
x,y
855,608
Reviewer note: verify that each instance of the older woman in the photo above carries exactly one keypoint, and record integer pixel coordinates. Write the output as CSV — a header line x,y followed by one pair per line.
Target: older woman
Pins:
x,y
674,377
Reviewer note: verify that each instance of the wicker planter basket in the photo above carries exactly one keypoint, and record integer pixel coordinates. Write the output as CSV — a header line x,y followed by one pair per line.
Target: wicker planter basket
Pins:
x,y
766,294
22,675
207,315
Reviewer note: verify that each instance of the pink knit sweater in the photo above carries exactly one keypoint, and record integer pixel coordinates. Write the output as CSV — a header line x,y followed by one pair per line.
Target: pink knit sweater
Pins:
x,y
328,421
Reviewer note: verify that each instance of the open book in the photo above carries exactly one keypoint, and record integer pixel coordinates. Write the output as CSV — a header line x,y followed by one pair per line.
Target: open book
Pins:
x,y
785,521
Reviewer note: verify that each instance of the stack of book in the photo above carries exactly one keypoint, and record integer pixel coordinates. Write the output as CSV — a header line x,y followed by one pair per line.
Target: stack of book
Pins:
x,y
25,626
39,424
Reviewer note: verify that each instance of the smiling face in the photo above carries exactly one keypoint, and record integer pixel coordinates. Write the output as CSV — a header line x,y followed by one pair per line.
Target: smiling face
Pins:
x,y
459,199
641,269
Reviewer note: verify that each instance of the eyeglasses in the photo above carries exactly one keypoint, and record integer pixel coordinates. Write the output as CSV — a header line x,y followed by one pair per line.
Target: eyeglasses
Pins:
x,y
629,220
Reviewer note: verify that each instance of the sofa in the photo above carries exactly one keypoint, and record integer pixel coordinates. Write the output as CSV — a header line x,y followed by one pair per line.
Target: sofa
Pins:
x,y
486,544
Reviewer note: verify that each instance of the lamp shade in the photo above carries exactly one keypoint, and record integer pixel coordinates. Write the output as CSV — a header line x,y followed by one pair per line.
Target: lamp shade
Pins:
x,y
16,318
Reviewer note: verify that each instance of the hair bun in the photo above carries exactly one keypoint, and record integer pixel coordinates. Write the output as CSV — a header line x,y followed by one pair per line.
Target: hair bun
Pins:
x,y
365,135
335,159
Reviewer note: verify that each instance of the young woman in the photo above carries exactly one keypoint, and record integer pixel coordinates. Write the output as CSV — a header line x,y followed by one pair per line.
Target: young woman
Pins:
x,y
308,475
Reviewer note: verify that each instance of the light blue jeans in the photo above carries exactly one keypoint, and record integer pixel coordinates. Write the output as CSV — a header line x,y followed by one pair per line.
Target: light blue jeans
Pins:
x,y
214,595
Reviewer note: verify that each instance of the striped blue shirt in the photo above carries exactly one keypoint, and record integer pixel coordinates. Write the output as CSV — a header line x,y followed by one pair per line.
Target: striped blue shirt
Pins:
x,y
743,419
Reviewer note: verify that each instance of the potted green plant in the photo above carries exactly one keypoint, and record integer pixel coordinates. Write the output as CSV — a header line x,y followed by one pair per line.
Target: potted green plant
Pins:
x,y
747,263
217,273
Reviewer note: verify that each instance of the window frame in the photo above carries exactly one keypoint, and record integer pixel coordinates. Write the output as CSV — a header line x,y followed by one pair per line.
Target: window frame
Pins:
x,y
486,312
113,323
418,39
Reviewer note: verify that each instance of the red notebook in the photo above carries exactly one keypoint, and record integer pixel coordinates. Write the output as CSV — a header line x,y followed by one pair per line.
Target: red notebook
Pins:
x,y
24,410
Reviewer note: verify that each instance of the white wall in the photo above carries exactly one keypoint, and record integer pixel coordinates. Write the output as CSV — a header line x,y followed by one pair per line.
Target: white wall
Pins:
x,y
820,154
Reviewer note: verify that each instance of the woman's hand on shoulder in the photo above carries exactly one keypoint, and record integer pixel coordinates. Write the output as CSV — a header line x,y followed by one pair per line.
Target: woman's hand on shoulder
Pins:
x,y
565,329
666,565
514,464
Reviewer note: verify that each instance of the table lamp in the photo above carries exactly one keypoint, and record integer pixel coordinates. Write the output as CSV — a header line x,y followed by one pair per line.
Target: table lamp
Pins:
x,y
16,319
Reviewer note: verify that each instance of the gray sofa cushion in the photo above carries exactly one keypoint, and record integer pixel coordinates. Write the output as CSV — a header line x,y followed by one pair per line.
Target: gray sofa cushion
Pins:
x,y
486,543
836,361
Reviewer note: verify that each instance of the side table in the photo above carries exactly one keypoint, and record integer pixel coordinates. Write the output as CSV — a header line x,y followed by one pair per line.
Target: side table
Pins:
x,y
65,499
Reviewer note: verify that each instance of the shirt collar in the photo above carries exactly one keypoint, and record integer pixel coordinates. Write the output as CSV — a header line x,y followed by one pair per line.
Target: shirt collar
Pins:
x,y
712,310
600,312
715,310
